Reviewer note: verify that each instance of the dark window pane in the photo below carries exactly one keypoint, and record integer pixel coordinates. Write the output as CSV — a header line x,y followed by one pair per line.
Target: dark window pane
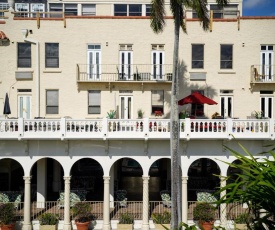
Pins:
x,y
148,9
226,56
52,101
120,10
135,10
197,56
52,55
24,55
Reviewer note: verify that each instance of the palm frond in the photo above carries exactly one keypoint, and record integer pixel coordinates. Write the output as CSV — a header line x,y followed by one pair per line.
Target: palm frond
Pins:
x,y
157,15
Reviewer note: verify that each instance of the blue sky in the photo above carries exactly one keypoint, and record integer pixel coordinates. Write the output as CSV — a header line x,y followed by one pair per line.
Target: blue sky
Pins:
x,y
258,7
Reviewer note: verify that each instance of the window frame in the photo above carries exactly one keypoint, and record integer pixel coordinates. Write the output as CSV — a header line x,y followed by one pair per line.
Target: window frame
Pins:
x,y
198,60
26,57
49,57
225,61
127,11
50,104
96,104
157,106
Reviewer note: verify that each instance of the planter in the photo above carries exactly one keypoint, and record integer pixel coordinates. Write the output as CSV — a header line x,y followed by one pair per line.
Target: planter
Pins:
x,y
161,226
48,227
82,226
240,227
7,226
207,225
125,226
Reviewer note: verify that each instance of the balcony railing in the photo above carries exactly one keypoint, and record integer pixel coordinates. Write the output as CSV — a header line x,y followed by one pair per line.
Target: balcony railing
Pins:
x,y
135,128
112,73
262,74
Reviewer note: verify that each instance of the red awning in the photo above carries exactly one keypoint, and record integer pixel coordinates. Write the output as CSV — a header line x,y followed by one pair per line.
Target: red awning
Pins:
x,y
3,36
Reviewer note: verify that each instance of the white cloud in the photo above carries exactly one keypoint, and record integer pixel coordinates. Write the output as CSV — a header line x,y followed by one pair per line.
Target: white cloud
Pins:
x,y
254,3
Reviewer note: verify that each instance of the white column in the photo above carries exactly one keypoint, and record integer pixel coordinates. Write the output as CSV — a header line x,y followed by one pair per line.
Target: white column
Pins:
x,y
56,176
41,183
223,206
106,204
184,199
67,222
112,180
145,216
27,204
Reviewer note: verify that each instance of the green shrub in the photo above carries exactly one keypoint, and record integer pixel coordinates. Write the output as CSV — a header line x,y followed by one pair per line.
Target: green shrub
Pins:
x,y
243,218
204,211
48,219
162,218
126,218
82,212
7,213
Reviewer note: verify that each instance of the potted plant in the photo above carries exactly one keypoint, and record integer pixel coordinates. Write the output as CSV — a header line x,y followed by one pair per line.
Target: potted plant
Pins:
x,y
48,221
111,114
204,213
242,220
162,220
7,216
82,214
140,114
126,222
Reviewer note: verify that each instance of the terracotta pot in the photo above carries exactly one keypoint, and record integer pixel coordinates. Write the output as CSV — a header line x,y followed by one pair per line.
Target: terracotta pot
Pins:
x,y
7,227
82,226
207,225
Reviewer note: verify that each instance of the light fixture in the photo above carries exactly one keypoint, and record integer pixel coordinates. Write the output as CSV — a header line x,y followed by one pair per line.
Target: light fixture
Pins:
x,y
24,32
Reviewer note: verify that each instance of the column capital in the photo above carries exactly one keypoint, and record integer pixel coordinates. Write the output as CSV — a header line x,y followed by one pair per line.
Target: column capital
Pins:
x,y
27,179
184,178
145,178
106,178
67,179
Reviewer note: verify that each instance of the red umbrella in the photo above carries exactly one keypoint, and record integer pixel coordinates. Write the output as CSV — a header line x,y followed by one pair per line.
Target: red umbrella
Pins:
x,y
196,98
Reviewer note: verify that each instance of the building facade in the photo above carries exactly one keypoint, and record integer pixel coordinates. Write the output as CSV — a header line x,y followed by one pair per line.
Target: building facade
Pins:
x,y
89,87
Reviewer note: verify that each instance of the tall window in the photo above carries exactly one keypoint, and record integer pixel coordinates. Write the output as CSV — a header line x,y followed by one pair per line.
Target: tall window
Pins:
x,y
52,55
226,57
157,101
94,101
128,10
24,55
197,56
52,98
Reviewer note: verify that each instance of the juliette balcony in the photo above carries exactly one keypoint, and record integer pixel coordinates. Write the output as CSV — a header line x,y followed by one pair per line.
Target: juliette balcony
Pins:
x,y
135,129
114,73
262,74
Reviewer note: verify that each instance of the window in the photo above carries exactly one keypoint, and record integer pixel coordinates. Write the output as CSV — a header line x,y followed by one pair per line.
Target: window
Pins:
x,y
128,10
148,9
197,56
24,55
22,7
94,99
54,8
229,11
71,9
226,57
52,101
52,55
37,7
157,101
88,9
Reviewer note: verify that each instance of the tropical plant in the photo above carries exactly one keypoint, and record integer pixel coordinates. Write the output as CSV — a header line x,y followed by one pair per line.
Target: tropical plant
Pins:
x,y
162,218
82,212
111,114
126,218
243,218
48,219
140,113
204,212
258,114
254,186
157,24
7,213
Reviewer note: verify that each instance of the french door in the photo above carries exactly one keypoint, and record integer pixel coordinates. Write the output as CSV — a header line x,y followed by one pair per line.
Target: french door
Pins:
x,y
125,67
24,106
126,107
266,106
266,68
226,106
157,65
94,62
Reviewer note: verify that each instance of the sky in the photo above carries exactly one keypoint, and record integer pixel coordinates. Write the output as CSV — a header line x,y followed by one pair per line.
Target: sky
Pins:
x,y
258,7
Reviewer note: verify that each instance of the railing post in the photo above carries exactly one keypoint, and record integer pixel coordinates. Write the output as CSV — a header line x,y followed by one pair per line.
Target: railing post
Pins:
x,y
146,127
271,129
20,127
187,127
229,122
105,127
63,127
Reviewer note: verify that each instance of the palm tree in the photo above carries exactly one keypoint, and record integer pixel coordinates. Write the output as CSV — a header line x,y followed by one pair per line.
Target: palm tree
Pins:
x,y
157,23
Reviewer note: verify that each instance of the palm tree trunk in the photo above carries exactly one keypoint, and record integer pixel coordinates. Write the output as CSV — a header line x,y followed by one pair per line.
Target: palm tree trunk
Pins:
x,y
174,138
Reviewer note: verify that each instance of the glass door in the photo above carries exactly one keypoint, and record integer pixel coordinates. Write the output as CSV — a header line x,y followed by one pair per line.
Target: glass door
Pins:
x,y
125,70
24,107
157,67
266,106
226,106
126,107
266,68
94,62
